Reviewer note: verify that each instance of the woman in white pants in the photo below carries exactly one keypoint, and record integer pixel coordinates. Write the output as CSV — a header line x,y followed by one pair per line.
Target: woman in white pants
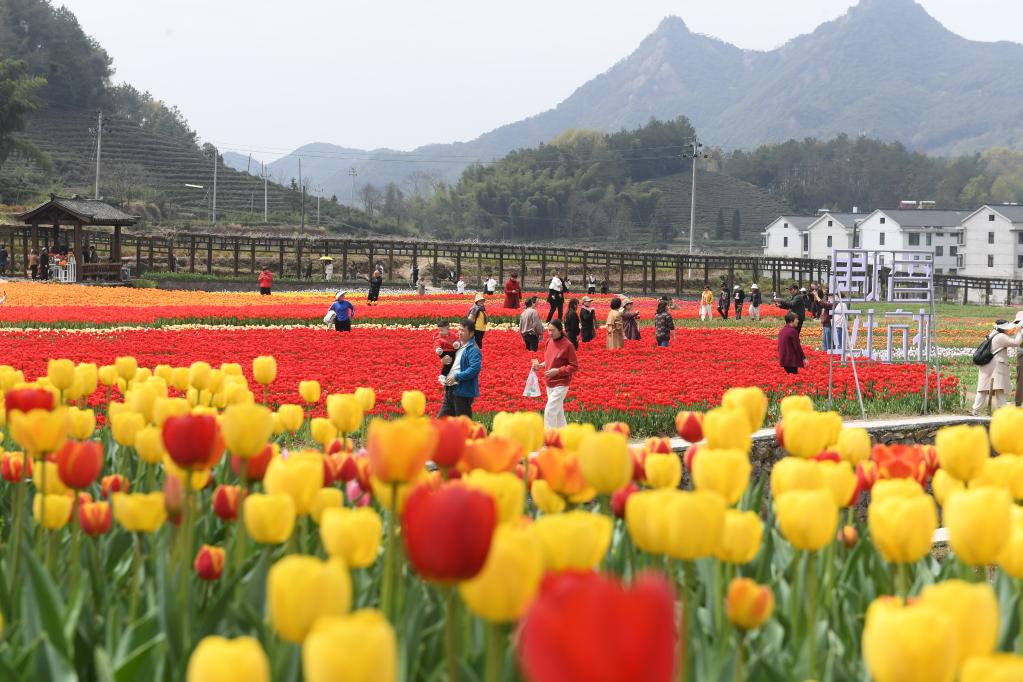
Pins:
x,y
560,363
993,378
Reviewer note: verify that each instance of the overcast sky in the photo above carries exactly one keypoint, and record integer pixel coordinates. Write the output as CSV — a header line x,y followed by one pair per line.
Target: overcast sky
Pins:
x,y
266,76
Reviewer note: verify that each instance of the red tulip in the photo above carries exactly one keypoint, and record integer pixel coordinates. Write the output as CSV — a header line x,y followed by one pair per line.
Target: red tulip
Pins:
x,y
659,446
586,627
15,466
192,440
451,436
930,455
689,456
619,499
225,502
689,426
349,470
114,483
779,433
552,438
447,531
174,498
618,427
338,445
94,517
209,562
827,456
79,463
867,475
255,467
26,399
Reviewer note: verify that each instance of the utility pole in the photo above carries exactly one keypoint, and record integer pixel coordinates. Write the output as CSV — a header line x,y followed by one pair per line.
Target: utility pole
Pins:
x,y
214,185
694,152
301,188
353,173
99,147
266,214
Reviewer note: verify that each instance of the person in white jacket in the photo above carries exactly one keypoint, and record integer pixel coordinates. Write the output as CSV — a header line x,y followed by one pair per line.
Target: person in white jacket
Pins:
x,y
993,381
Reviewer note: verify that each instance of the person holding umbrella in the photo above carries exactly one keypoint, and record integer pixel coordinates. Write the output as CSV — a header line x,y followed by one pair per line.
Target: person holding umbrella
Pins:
x,y
328,267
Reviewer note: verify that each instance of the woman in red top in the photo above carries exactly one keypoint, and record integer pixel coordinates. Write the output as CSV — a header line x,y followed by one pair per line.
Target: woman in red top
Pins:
x,y
512,291
560,361
266,280
790,353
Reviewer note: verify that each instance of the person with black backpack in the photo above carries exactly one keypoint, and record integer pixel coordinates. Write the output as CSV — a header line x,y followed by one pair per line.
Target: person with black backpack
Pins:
x,y
991,356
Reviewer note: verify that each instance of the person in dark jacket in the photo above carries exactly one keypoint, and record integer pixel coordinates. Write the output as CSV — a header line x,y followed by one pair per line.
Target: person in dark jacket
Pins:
x,y
796,304
723,303
790,352
375,281
755,299
587,320
572,322
737,299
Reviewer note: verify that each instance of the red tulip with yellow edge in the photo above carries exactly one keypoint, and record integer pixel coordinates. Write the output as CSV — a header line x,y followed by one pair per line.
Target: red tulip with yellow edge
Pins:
x,y
225,502
255,466
15,466
438,550
747,604
209,563
95,518
552,438
114,483
399,449
617,427
689,426
493,454
360,647
80,463
216,659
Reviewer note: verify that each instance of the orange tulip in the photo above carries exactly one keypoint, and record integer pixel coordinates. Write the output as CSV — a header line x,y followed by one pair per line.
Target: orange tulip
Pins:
x,y
492,454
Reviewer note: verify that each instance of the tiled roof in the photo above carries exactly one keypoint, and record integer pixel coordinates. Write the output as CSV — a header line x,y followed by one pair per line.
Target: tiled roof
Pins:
x,y
926,217
91,211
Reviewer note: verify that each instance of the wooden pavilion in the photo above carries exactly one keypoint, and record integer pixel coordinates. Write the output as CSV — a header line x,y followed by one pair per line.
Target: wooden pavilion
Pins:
x,y
77,212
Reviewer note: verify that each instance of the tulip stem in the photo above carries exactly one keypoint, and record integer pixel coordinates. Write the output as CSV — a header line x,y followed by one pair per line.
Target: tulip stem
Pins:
x,y
387,585
17,530
451,633
135,577
240,533
495,652
76,534
684,616
903,580
1019,586
741,655
811,612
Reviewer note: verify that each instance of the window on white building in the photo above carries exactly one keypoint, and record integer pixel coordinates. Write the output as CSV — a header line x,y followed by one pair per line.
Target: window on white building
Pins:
x,y
806,242
952,271
829,242
784,224
991,217
928,240
882,220
937,270
881,242
914,240
939,250
953,250
785,241
991,261
1019,261
831,223
856,240
1019,237
990,237
940,234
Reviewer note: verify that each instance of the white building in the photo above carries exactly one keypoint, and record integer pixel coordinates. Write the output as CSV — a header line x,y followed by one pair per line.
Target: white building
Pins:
x,y
786,236
993,242
832,231
936,230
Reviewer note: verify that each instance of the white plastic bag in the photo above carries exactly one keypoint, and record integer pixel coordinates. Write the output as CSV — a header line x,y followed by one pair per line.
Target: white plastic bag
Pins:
x,y
532,389
329,317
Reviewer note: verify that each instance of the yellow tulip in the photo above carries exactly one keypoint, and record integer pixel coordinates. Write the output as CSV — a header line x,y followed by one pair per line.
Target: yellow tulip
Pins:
x,y
326,498
808,518
216,659
182,376
301,589
367,398
169,407
747,604
269,519
291,417
840,479
663,471
310,391
895,487
300,476
809,433
605,461
1005,427
398,449
140,399
902,527
231,369
11,378
752,401
792,473
46,478
58,510
149,444
546,500
345,412
139,512
794,403
165,372
127,367
944,485
993,668
510,578
323,432
979,523
686,510
124,425
352,535
199,375
853,445
740,538
962,450
61,373
915,643
572,434
1011,558
725,472
361,647
264,369
414,403
576,540
1004,471
88,374
107,375
727,429
525,428
972,609
197,480
507,489
40,431
383,493
647,519
83,423
246,429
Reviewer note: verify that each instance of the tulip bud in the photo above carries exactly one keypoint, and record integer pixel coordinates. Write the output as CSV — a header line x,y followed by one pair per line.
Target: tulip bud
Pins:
x,y
689,426
345,412
740,538
209,562
605,461
173,497
502,591
300,476
620,498
125,425
748,605
107,375
363,642
727,428
57,510
255,467
848,536
972,609
352,535
853,445
979,524
398,450
79,463
751,401
264,369
293,607
725,472
962,450
808,518
807,433
15,467
114,483
617,427
83,423
1005,427
663,471
902,527
247,428
414,403
545,498
795,403
438,551
216,659
573,541
269,519
450,442
95,518
367,398
28,399
127,367
225,502
309,391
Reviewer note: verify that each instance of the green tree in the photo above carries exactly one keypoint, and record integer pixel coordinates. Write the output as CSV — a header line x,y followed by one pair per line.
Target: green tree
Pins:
x,y
17,98
736,226
719,226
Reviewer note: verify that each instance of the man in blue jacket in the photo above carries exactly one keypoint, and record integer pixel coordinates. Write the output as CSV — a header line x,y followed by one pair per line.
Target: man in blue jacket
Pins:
x,y
462,385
